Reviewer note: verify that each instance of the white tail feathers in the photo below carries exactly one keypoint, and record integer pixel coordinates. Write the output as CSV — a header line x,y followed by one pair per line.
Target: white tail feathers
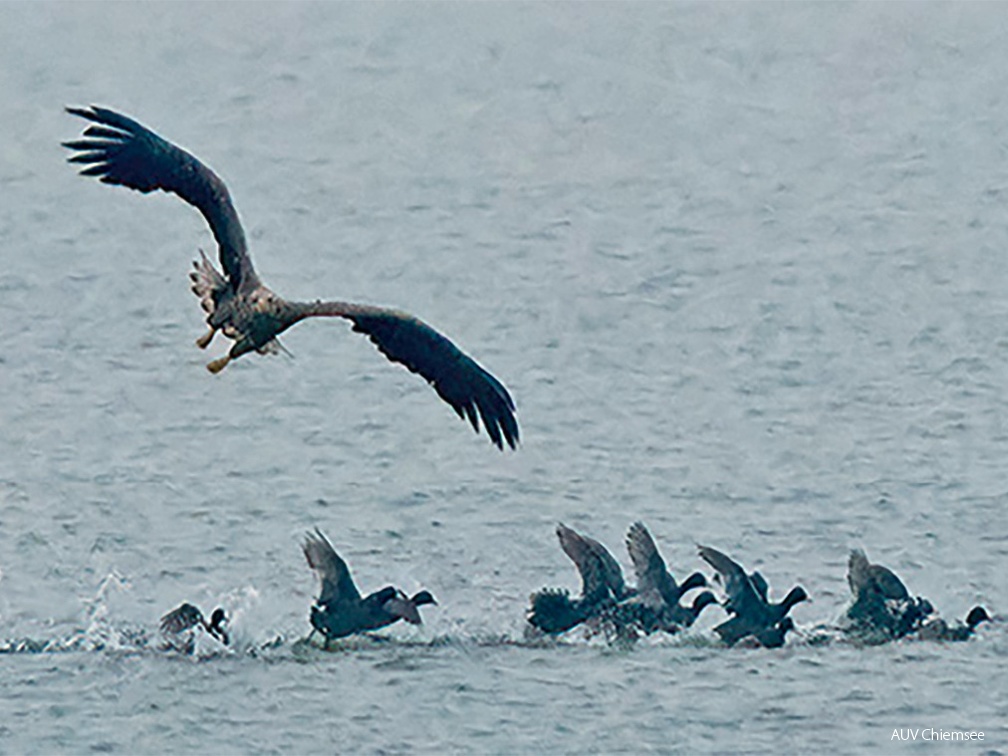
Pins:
x,y
207,282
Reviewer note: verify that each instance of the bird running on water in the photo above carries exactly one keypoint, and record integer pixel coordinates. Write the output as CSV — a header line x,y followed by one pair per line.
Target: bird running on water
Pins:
x,y
176,626
935,628
340,610
602,585
748,600
656,605
118,150
882,608
652,574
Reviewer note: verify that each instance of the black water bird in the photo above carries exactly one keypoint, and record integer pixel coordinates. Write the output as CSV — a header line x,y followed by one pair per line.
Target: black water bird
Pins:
x,y
747,599
602,585
118,150
340,610
937,629
649,613
768,637
601,574
864,577
652,574
176,624
881,608
656,605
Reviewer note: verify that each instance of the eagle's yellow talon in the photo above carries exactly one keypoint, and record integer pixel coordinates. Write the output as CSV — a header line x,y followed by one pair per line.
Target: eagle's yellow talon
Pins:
x,y
204,341
219,364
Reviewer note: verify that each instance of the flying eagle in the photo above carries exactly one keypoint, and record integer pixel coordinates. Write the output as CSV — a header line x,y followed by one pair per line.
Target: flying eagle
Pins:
x,y
118,150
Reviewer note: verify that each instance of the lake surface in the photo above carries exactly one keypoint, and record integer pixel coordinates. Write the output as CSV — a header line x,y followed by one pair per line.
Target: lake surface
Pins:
x,y
743,268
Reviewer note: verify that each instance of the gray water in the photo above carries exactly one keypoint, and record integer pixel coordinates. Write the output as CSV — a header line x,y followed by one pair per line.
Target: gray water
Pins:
x,y
741,266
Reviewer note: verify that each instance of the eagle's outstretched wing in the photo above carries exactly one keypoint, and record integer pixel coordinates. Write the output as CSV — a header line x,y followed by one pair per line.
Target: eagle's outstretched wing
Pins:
x,y
118,150
472,391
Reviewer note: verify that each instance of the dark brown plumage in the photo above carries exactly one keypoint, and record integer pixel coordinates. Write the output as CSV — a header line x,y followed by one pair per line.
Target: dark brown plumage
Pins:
x,y
118,150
